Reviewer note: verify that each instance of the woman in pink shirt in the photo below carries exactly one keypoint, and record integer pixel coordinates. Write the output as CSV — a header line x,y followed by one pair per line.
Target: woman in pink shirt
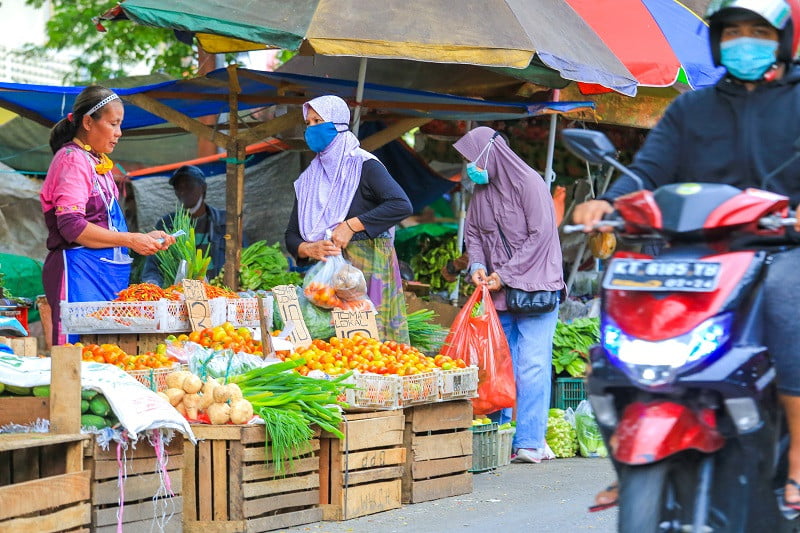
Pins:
x,y
88,238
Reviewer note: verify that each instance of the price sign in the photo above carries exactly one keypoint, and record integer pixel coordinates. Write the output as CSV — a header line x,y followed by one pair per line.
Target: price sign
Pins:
x,y
197,304
348,323
289,309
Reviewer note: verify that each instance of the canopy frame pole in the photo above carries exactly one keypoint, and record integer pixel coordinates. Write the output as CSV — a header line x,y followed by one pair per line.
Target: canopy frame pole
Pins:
x,y
362,76
549,175
234,185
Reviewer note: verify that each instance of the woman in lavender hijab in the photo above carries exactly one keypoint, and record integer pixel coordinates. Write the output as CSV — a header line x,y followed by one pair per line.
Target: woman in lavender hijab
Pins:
x,y
512,241
346,201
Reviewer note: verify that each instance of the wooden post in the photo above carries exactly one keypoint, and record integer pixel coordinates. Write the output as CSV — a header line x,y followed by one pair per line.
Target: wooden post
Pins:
x,y
234,186
65,390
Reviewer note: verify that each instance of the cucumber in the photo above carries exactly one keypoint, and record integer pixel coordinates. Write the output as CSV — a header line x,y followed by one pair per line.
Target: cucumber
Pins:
x,y
99,406
84,406
88,394
19,391
42,391
93,421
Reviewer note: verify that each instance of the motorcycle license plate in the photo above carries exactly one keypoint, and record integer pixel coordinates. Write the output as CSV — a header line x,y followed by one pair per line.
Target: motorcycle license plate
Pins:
x,y
662,275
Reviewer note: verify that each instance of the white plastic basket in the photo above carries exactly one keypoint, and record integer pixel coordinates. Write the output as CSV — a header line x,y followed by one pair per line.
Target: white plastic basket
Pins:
x,y
505,441
373,391
176,317
420,388
459,383
112,317
243,312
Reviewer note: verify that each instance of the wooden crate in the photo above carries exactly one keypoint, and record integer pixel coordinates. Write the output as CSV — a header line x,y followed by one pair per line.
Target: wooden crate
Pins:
x,y
22,346
43,485
230,483
131,343
439,451
361,474
142,483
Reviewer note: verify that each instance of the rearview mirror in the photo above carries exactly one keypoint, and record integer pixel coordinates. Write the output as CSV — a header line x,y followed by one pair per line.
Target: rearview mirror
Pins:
x,y
589,145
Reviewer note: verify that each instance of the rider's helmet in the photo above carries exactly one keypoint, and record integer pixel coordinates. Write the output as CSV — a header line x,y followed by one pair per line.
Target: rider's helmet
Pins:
x,y
783,15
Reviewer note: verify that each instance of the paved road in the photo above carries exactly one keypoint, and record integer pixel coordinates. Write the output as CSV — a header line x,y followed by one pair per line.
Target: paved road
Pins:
x,y
548,497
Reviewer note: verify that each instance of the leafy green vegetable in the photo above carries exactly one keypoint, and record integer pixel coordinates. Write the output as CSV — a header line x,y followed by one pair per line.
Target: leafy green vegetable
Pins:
x,y
561,435
185,248
263,267
590,441
424,334
571,344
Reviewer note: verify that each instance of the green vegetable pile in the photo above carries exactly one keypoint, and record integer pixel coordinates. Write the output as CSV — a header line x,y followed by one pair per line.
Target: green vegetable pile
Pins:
x,y
185,248
590,441
290,404
423,333
262,267
571,344
96,411
561,435
433,255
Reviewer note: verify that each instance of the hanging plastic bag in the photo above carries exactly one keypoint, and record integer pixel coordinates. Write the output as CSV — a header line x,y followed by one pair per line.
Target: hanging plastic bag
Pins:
x,y
335,283
477,338
590,440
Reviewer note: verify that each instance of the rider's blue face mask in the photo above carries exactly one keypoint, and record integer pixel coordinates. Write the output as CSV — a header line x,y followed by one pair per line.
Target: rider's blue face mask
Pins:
x,y
480,176
748,58
319,136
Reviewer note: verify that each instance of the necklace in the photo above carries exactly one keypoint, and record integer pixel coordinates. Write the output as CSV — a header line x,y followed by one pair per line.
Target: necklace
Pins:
x,y
105,164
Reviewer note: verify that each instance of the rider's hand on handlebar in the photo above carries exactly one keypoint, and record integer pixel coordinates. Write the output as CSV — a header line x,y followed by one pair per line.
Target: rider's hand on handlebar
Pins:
x,y
590,213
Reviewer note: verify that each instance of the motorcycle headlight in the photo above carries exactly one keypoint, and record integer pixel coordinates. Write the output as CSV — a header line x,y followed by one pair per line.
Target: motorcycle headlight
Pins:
x,y
657,362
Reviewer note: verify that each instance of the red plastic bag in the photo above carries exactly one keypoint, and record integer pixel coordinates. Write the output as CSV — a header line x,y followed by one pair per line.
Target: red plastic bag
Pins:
x,y
480,340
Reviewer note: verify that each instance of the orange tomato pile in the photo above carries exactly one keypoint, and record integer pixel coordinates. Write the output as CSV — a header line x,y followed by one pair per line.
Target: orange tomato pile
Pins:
x,y
369,355
114,355
224,337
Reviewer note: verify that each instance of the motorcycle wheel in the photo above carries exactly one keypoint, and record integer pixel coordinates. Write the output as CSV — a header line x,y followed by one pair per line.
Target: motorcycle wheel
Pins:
x,y
642,496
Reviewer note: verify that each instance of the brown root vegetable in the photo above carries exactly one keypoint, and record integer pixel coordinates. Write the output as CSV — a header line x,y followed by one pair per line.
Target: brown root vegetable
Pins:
x,y
175,396
221,394
234,392
206,400
219,413
175,379
162,395
192,384
182,410
241,411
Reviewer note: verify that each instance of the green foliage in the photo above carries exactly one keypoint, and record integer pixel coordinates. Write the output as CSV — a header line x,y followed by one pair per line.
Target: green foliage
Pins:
x,y
434,253
571,344
113,53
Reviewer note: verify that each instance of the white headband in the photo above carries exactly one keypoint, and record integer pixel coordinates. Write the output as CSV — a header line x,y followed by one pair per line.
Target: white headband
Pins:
x,y
101,103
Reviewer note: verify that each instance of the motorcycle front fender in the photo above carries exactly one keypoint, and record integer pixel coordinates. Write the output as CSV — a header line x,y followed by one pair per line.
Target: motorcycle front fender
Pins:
x,y
649,432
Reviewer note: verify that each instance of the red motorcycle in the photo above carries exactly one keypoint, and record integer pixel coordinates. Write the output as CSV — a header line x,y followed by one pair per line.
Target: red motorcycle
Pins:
x,y
681,383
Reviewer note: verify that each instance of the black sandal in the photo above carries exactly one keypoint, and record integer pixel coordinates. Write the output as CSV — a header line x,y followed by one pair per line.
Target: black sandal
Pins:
x,y
794,506
614,487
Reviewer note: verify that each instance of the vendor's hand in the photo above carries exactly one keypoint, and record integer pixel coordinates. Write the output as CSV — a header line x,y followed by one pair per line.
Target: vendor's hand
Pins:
x,y
166,239
319,250
591,212
341,235
145,243
493,282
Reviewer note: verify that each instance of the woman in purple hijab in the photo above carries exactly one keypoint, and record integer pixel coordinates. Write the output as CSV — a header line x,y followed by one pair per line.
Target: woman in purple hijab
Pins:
x,y
346,201
512,241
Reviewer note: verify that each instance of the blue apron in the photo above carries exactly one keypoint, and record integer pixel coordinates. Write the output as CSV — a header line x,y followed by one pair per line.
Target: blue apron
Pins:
x,y
98,274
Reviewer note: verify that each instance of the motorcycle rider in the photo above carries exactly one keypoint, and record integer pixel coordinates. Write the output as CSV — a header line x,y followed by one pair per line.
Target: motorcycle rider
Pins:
x,y
738,132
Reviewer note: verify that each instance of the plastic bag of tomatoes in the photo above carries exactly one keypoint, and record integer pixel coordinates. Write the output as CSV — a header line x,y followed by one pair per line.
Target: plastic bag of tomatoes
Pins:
x,y
336,283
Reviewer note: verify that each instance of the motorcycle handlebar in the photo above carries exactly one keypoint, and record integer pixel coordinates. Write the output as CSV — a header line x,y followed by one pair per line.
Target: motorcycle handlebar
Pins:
x,y
575,228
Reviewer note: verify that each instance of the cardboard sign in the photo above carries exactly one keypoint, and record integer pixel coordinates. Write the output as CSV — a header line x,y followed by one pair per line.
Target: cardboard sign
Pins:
x,y
348,323
289,308
197,304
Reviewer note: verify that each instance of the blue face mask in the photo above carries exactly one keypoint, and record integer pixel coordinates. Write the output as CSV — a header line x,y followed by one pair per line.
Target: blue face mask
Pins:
x,y
319,136
477,175
748,58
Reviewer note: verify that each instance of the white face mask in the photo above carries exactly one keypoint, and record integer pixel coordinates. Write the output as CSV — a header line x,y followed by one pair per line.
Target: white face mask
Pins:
x,y
197,206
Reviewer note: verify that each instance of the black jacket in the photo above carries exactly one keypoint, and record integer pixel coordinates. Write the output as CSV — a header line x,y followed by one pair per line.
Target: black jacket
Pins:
x,y
725,134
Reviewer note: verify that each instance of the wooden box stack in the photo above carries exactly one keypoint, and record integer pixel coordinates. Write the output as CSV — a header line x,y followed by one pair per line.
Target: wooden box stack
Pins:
x,y
361,474
43,484
139,514
439,445
22,346
230,483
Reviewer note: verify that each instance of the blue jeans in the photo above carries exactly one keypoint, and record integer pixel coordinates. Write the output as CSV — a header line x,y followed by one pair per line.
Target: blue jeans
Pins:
x,y
530,338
